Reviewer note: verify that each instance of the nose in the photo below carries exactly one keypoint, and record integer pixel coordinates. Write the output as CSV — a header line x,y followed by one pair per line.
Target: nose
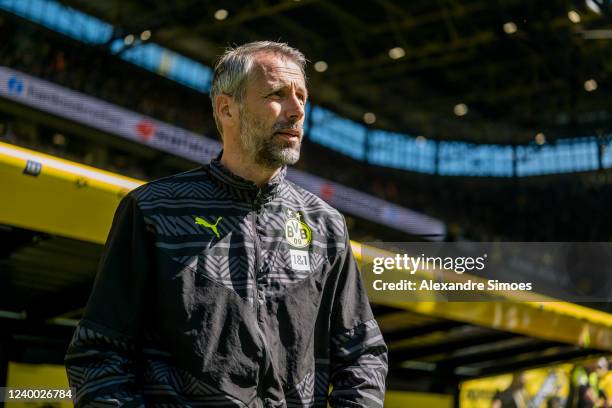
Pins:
x,y
294,108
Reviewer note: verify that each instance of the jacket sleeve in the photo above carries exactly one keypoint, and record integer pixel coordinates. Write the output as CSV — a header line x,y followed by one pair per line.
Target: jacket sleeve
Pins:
x,y
101,361
358,352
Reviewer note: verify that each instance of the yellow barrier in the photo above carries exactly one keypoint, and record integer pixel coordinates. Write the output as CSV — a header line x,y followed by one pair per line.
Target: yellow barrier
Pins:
x,y
549,319
64,198
78,201
403,399
36,377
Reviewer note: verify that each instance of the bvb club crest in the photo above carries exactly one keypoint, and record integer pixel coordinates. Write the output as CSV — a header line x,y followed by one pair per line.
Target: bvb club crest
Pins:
x,y
297,233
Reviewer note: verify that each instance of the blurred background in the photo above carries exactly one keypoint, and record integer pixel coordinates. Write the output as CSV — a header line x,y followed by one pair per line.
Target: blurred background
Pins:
x,y
446,120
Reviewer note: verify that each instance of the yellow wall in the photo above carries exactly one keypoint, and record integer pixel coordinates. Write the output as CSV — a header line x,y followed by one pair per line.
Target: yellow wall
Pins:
x,y
37,376
403,399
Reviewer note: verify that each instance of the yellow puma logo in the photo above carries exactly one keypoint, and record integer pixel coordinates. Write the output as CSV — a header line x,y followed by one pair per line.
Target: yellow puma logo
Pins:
x,y
213,227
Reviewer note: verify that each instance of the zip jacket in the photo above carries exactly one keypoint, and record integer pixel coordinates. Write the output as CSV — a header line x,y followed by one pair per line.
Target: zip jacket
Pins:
x,y
212,292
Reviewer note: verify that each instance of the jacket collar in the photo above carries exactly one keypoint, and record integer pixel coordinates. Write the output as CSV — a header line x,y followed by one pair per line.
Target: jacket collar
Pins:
x,y
242,188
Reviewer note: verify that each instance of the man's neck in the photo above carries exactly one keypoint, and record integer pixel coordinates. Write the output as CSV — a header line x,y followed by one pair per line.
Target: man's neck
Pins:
x,y
246,168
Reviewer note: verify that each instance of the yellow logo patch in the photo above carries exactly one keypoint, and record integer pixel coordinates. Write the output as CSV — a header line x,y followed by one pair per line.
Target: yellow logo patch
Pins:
x,y
297,233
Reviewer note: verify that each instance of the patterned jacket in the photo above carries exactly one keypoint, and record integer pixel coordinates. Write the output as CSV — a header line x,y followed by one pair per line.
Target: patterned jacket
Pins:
x,y
213,292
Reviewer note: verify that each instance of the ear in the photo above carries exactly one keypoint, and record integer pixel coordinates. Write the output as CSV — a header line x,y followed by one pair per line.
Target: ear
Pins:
x,y
226,110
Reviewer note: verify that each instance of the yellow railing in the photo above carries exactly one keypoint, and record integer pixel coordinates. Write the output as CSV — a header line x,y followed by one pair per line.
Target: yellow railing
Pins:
x,y
78,201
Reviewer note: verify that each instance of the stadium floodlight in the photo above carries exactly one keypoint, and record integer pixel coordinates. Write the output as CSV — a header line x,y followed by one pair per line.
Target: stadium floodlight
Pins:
x,y
573,16
510,27
590,85
59,139
320,66
460,109
396,53
221,14
369,118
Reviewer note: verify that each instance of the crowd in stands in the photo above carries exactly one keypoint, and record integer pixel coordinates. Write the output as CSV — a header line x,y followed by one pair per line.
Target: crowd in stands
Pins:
x,y
94,71
565,207
556,208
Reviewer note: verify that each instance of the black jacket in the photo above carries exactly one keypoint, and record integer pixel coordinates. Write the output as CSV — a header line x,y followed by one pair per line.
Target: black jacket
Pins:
x,y
213,292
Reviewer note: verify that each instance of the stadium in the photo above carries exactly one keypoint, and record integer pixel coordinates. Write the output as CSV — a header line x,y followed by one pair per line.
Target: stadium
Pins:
x,y
473,132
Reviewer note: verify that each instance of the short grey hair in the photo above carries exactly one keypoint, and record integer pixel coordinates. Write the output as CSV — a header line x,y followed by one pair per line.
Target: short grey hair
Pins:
x,y
233,68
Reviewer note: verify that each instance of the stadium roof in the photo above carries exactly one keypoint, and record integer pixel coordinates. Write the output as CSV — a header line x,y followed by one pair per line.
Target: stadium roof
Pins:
x,y
493,72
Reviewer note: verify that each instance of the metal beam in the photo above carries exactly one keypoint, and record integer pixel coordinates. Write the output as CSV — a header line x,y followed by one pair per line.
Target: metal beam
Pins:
x,y
565,355
495,355
397,356
411,332
55,304
412,55
251,13
415,21
35,342
349,20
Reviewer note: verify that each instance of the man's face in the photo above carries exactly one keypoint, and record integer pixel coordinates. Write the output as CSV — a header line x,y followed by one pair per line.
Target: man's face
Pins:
x,y
602,367
272,112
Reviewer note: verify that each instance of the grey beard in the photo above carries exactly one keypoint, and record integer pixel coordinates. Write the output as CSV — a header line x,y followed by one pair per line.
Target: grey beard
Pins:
x,y
271,155
262,147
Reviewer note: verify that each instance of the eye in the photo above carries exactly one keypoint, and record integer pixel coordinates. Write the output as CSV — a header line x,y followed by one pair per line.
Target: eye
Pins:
x,y
278,93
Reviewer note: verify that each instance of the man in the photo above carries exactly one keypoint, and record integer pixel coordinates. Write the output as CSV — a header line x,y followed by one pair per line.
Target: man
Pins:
x,y
227,285
515,396
586,385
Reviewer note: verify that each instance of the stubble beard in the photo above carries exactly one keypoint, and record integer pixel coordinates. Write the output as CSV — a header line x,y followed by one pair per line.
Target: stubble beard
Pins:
x,y
262,144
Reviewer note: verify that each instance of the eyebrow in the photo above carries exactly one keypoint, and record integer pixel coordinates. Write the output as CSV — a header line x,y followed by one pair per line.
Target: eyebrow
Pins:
x,y
280,85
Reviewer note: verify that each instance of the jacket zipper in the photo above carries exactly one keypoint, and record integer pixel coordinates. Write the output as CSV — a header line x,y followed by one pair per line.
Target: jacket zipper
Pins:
x,y
257,263
256,289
